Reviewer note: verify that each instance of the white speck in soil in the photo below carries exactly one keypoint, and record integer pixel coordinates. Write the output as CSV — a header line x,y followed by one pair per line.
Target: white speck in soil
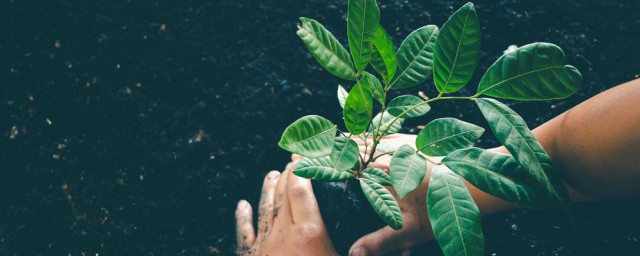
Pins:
x,y
49,122
14,132
57,44
511,48
514,226
198,137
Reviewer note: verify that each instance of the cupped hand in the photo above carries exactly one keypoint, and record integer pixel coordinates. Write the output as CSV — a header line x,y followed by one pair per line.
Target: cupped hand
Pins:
x,y
289,221
416,226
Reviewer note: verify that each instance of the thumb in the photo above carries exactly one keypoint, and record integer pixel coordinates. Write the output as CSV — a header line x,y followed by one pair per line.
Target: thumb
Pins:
x,y
381,242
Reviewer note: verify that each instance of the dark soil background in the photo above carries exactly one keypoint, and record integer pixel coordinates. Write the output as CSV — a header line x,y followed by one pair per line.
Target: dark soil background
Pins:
x,y
133,127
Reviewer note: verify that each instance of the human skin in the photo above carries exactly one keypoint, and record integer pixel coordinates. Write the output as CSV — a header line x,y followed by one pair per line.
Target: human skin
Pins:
x,y
289,221
594,147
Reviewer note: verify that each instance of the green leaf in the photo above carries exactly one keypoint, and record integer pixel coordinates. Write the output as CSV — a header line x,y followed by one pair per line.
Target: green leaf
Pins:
x,y
532,72
311,136
445,135
374,84
362,21
358,109
512,131
345,153
378,125
415,57
457,50
383,58
407,170
342,95
385,148
454,216
379,176
499,175
382,202
407,102
326,49
320,169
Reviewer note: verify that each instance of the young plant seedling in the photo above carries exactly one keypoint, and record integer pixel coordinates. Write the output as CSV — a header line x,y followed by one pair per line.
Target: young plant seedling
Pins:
x,y
450,55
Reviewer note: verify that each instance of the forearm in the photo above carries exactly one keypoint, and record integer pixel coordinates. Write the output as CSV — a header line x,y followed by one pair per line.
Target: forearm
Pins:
x,y
595,147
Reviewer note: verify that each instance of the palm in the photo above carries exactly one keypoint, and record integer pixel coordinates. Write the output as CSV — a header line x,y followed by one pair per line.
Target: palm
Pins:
x,y
417,228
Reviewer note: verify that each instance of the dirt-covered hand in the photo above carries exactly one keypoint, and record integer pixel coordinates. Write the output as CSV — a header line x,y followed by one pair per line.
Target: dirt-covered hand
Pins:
x,y
289,221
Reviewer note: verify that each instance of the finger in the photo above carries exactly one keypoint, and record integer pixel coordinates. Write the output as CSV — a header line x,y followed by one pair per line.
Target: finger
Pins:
x,y
386,240
295,157
245,233
302,200
282,211
265,210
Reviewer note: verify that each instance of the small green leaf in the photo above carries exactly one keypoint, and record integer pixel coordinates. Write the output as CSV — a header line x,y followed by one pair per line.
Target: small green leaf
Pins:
x,y
342,95
345,153
385,148
532,72
320,169
358,109
454,216
499,175
405,102
363,18
379,176
512,131
381,121
457,50
382,202
383,58
407,170
415,58
326,49
445,135
374,84
310,136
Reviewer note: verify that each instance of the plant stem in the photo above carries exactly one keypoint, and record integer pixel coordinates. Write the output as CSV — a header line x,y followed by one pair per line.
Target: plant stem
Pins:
x,y
376,140
385,153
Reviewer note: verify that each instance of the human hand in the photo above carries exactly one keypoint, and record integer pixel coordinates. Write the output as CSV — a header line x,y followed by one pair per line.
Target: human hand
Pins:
x,y
289,221
416,226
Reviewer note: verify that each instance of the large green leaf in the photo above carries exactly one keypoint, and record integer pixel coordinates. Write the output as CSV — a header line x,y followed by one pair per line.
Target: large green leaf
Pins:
x,y
342,95
326,49
532,72
320,169
381,121
406,102
454,216
415,57
358,109
499,175
407,170
379,176
512,131
362,21
382,202
383,58
345,153
445,135
457,50
377,91
311,136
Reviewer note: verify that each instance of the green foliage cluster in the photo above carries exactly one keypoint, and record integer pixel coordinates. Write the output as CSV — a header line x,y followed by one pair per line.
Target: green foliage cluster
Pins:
x,y
450,55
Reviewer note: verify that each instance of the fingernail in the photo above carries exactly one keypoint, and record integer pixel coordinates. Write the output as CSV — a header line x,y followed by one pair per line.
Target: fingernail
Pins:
x,y
243,204
357,252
